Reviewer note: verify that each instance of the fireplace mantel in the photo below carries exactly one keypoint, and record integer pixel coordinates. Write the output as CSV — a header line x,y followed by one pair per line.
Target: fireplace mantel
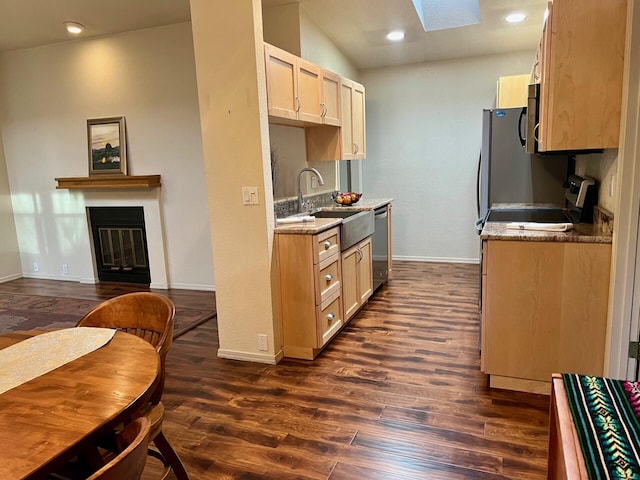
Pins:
x,y
109,182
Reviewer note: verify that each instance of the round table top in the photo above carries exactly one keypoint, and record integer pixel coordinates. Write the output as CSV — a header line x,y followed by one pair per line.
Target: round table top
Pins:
x,y
45,421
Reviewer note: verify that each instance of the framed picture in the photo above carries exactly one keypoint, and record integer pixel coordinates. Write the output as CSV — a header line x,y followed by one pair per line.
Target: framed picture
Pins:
x,y
107,146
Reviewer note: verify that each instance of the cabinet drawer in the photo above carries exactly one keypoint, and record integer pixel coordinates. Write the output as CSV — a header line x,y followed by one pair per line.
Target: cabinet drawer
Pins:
x,y
327,278
326,244
329,318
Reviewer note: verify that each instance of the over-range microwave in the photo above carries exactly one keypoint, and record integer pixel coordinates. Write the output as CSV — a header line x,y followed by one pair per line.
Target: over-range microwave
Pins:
x,y
533,121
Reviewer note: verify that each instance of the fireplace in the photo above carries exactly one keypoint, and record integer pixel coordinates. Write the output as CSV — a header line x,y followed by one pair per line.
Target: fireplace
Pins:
x,y
120,244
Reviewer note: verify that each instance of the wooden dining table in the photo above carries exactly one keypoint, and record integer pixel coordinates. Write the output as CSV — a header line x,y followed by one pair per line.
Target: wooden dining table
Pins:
x,y
46,421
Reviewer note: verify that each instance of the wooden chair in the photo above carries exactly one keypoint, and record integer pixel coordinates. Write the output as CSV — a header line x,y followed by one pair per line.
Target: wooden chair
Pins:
x,y
148,316
132,443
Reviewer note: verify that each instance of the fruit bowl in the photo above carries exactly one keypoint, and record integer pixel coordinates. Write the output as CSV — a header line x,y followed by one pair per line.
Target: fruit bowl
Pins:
x,y
348,198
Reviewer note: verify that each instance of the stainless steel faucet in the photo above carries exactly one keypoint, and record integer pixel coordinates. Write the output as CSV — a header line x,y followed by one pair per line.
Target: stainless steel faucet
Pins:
x,y
320,181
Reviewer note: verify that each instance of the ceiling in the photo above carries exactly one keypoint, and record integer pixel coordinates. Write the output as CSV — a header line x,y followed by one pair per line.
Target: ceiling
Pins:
x,y
357,27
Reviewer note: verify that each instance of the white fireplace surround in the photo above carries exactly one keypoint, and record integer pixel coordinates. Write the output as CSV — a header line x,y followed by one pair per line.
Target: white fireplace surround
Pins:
x,y
149,200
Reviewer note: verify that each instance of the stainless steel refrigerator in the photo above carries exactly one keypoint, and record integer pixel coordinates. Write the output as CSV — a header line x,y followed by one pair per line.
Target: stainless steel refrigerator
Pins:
x,y
506,173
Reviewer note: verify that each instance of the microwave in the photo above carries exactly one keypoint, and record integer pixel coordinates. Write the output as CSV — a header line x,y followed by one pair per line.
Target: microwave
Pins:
x,y
533,121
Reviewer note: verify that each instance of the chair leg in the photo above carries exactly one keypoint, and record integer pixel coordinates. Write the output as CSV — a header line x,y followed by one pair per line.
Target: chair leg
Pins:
x,y
170,456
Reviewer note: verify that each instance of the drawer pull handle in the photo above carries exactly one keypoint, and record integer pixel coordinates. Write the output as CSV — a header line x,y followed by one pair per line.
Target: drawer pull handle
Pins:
x,y
327,245
331,316
328,278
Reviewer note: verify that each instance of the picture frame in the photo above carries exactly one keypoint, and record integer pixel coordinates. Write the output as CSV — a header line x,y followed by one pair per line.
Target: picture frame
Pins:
x,y
107,141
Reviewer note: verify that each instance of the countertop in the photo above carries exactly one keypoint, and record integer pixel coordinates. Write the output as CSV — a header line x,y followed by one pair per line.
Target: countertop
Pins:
x,y
581,232
308,228
363,204
322,224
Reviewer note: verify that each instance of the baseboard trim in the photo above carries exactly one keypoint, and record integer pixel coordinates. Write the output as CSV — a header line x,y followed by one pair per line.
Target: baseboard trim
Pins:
x,y
194,286
250,356
61,278
402,258
8,278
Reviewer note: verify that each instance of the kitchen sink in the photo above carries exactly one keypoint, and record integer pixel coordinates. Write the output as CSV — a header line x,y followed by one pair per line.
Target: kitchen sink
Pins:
x,y
356,225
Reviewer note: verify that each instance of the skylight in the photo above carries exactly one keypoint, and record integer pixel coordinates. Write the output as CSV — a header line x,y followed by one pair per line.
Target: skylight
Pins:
x,y
442,14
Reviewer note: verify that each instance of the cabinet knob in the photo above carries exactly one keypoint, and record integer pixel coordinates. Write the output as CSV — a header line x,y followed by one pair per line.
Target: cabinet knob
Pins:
x,y
328,278
327,245
355,148
331,316
298,105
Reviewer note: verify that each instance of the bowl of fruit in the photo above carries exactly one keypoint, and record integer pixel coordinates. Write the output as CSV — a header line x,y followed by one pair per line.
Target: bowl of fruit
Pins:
x,y
348,198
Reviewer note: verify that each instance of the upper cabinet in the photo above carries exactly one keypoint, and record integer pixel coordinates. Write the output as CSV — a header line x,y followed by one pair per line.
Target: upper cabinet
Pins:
x,y
579,65
331,108
512,91
330,99
299,91
353,121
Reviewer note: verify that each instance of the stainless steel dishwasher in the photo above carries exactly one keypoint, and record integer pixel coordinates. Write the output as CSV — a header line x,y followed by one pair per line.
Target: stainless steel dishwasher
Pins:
x,y
380,247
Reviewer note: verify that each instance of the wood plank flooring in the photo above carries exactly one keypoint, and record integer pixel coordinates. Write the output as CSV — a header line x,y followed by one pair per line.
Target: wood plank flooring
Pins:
x,y
397,395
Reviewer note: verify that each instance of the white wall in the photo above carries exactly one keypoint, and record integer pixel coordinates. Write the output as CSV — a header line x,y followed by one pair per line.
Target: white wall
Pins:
x,y
424,126
49,92
9,254
317,48
602,167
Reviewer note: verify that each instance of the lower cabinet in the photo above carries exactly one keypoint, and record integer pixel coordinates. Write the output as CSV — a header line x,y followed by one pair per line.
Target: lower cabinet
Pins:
x,y
310,279
357,277
544,311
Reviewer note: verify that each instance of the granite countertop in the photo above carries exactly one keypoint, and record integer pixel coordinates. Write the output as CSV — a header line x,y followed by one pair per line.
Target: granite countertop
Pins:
x,y
600,231
308,228
363,204
581,232
322,224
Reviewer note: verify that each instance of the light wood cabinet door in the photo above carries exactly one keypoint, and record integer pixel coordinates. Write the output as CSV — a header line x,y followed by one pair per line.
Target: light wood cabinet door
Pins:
x,y
309,91
365,271
544,308
282,90
358,123
512,91
353,120
346,93
350,295
330,85
582,71
357,277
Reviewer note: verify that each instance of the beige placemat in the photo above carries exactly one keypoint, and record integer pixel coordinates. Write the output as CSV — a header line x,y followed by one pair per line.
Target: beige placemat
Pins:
x,y
43,353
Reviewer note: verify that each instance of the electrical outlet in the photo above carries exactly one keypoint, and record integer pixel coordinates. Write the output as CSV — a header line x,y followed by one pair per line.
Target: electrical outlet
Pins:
x,y
65,269
314,182
263,344
36,267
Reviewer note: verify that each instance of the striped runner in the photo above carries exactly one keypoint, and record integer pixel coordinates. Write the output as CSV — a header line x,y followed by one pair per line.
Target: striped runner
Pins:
x,y
606,415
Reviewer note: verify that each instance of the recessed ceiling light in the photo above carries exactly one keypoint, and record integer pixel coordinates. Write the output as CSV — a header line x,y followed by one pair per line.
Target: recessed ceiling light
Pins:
x,y
395,36
515,17
73,27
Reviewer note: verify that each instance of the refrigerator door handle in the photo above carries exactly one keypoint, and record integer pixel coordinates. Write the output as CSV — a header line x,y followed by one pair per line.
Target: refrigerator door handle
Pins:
x,y
523,115
479,221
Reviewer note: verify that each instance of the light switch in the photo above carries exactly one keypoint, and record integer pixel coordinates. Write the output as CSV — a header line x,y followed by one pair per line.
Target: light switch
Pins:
x,y
250,195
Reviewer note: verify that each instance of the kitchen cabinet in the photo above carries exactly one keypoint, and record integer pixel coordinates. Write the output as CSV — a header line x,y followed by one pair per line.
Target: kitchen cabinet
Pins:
x,y
310,291
354,145
357,277
512,91
544,310
293,86
580,68
299,91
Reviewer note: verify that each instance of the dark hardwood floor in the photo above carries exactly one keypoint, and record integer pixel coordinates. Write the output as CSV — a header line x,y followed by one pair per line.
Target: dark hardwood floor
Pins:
x,y
397,395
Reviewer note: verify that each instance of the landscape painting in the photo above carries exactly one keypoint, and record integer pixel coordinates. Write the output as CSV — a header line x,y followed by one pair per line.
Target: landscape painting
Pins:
x,y
107,146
